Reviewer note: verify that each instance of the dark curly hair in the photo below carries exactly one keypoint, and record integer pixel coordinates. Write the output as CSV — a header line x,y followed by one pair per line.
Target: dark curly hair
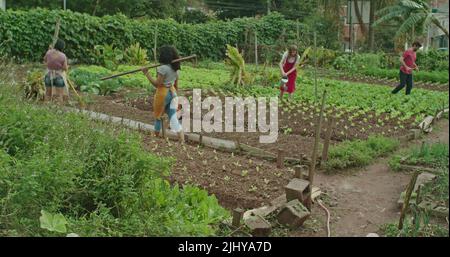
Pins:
x,y
60,45
167,54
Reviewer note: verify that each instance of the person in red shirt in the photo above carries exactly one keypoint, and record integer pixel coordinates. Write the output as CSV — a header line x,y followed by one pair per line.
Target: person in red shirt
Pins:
x,y
408,61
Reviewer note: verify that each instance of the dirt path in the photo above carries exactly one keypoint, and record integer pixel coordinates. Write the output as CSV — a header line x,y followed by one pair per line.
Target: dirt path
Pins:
x,y
367,198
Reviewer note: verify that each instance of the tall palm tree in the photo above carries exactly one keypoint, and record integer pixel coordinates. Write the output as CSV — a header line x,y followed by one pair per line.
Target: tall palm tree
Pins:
x,y
414,15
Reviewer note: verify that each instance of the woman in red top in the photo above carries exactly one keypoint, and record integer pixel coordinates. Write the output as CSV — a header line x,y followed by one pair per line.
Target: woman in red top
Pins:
x,y
288,67
408,61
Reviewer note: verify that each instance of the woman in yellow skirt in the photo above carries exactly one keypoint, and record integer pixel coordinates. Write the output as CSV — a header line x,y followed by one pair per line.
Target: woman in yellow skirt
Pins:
x,y
165,99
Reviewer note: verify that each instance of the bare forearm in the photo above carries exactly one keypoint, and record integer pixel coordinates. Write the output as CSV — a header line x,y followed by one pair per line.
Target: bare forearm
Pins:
x,y
151,80
292,70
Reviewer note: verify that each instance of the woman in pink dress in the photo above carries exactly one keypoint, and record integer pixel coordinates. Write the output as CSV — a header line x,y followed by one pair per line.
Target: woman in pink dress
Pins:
x,y
288,67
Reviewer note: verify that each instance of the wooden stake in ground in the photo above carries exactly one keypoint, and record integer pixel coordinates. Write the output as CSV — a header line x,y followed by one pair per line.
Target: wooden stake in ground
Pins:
x,y
298,172
237,217
409,192
256,50
315,67
155,41
326,144
312,168
280,159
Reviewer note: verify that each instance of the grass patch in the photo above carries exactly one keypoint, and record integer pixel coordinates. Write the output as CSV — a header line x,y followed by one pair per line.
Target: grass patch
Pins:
x,y
422,229
434,155
359,153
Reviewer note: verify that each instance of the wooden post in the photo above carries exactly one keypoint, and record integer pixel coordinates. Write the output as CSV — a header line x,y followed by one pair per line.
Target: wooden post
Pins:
x,y
256,50
237,217
312,168
200,140
298,172
155,45
326,144
409,192
280,159
315,67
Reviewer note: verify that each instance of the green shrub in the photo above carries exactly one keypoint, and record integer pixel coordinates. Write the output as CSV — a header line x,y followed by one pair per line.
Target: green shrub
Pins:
x,y
344,62
109,56
432,60
102,181
359,153
31,33
136,55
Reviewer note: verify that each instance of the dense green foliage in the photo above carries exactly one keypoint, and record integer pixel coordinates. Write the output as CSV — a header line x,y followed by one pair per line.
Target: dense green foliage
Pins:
x,y
431,61
359,153
425,76
131,8
100,180
27,34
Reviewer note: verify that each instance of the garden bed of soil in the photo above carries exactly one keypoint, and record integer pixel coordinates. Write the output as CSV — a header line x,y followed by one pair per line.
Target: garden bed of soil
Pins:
x,y
296,128
237,181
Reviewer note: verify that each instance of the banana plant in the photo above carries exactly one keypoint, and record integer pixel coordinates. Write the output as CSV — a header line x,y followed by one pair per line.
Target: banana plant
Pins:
x,y
237,63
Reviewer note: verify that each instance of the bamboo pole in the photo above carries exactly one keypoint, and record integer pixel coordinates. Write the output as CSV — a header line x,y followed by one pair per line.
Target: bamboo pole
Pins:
x,y
326,144
315,67
409,192
256,50
150,67
155,41
56,35
312,168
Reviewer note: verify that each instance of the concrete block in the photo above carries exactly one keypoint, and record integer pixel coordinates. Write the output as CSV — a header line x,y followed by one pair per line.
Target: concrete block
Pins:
x,y
297,189
258,226
293,215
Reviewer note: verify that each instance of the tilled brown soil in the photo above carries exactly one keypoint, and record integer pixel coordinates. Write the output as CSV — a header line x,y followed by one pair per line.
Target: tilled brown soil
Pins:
x,y
236,181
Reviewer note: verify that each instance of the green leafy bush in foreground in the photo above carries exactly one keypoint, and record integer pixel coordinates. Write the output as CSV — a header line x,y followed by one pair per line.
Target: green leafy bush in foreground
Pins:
x,y
359,153
101,181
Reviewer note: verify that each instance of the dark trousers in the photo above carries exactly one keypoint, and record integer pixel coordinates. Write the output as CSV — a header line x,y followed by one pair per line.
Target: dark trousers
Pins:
x,y
405,79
